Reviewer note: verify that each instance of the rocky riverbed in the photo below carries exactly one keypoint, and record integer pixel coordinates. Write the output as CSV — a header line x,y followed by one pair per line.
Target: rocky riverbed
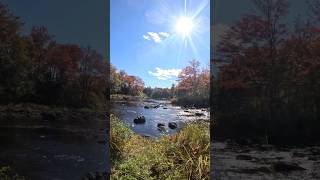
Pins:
x,y
234,161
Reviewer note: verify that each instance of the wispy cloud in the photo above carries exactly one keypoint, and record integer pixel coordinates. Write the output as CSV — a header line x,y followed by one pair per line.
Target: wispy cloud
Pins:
x,y
156,37
165,74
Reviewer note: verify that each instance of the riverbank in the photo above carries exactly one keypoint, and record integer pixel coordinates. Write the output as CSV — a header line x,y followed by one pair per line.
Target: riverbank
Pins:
x,y
184,155
54,140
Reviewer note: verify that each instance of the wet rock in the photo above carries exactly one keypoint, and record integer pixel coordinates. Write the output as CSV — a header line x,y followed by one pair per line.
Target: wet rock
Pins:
x,y
161,128
156,106
199,114
160,125
186,111
173,125
139,120
146,107
286,167
165,108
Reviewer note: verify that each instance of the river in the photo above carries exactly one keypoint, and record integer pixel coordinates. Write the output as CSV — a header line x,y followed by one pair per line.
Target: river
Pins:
x,y
45,149
164,113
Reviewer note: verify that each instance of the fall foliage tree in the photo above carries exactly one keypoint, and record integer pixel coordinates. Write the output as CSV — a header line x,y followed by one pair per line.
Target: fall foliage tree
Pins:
x,y
34,68
264,86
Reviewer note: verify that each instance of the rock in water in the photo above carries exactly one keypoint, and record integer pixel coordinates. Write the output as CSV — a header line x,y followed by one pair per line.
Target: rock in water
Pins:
x,y
173,125
139,120
199,114
160,125
146,107
162,128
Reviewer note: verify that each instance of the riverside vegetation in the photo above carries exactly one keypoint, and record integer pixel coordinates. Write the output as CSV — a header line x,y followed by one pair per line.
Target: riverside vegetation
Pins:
x,y
184,155
44,82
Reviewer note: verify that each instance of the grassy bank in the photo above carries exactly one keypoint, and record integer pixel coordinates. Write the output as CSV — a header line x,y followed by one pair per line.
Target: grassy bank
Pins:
x,y
181,156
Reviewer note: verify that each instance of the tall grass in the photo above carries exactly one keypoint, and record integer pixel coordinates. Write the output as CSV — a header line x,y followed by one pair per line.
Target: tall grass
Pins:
x,y
181,156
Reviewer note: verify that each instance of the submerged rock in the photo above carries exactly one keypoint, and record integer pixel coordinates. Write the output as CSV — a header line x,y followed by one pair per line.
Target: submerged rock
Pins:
x,y
173,125
139,120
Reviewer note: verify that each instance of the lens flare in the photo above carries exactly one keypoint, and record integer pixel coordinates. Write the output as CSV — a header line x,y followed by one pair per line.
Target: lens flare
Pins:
x,y
184,26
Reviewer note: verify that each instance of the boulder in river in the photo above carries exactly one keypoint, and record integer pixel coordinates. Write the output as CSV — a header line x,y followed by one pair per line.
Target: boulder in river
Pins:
x,y
173,125
139,120
146,107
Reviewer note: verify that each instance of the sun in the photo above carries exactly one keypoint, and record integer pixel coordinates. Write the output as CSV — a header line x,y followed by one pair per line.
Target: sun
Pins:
x,y
184,26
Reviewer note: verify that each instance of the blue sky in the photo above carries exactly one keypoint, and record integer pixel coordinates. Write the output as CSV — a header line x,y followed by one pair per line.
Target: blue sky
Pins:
x,y
145,42
82,22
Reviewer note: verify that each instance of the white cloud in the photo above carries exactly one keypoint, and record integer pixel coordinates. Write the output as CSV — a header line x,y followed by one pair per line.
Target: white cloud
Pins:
x,y
165,74
164,34
156,37
146,37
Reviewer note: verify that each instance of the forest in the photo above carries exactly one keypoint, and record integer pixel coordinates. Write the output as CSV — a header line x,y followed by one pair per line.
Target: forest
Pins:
x,y
192,88
267,85
34,68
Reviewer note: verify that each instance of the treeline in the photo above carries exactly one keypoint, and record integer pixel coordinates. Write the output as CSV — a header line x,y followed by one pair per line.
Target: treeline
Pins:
x,y
35,68
160,93
268,89
193,87
122,83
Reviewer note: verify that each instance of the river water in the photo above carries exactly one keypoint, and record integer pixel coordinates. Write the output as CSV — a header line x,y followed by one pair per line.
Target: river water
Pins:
x,y
127,111
52,150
